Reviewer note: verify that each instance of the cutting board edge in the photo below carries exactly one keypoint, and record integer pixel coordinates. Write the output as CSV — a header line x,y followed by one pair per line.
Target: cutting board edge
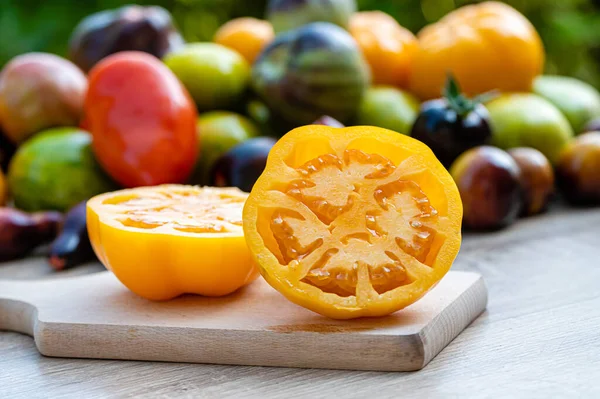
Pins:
x,y
393,352
408,352
477,296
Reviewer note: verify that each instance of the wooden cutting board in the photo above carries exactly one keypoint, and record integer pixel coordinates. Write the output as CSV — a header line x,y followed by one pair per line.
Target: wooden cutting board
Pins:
x,y
94,316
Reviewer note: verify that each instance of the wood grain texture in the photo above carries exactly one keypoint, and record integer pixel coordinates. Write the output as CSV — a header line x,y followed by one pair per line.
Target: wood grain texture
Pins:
x,y
538,338
96,317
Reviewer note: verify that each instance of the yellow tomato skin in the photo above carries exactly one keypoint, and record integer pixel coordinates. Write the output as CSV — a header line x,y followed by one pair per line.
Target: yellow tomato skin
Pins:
x,y
304,143
160,267
248,36
388,47
486,46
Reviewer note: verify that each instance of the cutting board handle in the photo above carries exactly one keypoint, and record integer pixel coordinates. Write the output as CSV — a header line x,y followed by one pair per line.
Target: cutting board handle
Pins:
x,y
18,311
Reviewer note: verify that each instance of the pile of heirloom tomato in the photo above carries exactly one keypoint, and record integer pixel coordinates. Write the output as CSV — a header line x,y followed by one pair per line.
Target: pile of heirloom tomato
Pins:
x,y
134,105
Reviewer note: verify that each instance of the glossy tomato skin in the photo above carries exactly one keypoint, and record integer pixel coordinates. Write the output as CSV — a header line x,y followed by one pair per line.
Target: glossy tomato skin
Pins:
x,y
490,185
449,134
487,46
142,120
242,165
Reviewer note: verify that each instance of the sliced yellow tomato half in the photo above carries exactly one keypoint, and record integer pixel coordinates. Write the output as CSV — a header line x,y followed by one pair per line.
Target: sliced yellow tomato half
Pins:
x,y
168,240
353,222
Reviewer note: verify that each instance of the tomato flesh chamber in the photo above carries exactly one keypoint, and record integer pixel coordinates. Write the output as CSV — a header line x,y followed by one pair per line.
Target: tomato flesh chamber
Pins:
x,y
184,211
352,225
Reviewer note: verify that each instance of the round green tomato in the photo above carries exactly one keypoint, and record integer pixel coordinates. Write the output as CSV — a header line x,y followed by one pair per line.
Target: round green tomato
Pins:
x,y
218,131
528,120
577,100
55,170
388,107
215,76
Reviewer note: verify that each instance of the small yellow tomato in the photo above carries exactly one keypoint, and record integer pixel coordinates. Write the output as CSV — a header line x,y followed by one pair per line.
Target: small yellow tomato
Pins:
x,y
486,46
168,240
388,47
248,36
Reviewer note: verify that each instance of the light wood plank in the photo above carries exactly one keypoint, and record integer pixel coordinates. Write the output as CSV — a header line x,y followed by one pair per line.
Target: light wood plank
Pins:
x,y
538,339
96,317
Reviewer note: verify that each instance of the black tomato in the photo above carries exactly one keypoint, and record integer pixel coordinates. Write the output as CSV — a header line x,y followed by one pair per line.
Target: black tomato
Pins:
x,y
242,165
453,124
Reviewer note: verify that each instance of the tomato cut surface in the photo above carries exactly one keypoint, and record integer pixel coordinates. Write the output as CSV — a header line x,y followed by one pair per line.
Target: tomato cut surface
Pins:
x,y
168,240
353,222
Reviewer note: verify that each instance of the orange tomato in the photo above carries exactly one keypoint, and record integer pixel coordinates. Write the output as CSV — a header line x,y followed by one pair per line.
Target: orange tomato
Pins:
x,y
388,47
352,222
486,46
164,241
248,36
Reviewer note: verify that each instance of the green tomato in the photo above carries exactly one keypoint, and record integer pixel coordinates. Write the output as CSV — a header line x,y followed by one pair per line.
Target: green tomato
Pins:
x,y
577,100
388,107
55,170
528,120
215,76
218,131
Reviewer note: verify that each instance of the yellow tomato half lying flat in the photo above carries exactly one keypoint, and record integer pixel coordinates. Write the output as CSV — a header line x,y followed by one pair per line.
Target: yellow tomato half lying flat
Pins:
x,y
164,241
352,222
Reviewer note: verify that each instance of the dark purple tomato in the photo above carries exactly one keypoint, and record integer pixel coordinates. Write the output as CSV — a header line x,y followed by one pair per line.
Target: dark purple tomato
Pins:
x,y
129,28
242,165
489,181
451,125
72,246
328,121
537,178
578,170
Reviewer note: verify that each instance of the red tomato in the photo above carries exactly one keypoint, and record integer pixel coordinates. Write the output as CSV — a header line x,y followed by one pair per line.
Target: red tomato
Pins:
x,y
142,120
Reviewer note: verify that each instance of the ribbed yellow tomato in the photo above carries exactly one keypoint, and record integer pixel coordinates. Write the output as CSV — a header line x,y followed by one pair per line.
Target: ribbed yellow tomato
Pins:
x,y
388,47
486,46
352,222
168,240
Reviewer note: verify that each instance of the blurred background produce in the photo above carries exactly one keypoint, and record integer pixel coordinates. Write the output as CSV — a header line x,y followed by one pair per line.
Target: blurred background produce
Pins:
x,y
99,95
388,107
314,70
21,232
72,246
489,181
55,170
452,124
242,164
528,120
142,120
579,169
132,27
565,26
218,131
214,75
537,178
38,91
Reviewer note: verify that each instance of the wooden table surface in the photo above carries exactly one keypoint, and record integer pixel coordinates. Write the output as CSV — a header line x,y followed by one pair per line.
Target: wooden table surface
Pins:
x,y
540,336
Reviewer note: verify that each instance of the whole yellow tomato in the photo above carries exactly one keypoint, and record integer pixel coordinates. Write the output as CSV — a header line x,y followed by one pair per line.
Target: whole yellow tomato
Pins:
x,y
486,46
388,47
248,36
